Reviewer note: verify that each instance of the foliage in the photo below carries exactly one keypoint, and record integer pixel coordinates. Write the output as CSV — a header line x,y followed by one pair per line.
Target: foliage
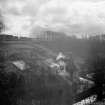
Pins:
x,y
96,64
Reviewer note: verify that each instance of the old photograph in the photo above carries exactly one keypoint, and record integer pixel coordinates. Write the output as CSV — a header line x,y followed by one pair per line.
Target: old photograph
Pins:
x,y
52,52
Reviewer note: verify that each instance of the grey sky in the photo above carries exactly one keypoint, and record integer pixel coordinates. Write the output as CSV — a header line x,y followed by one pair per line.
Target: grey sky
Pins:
x,y
71,16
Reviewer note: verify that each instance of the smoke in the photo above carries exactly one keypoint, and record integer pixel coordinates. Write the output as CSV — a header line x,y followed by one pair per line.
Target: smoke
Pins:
x,y
25,17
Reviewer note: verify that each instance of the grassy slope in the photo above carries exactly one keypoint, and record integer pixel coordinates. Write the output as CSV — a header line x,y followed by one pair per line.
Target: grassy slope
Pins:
x,y
37,83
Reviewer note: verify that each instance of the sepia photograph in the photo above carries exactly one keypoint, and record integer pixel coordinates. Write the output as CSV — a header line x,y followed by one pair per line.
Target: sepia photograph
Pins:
x,y
52,52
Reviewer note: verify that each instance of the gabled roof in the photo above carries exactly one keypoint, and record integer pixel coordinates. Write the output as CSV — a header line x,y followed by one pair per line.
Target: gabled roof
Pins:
x,y
20,64
60,56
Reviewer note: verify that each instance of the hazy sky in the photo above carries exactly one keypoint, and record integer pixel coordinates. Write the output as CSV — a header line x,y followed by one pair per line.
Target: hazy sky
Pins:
x,y
71,16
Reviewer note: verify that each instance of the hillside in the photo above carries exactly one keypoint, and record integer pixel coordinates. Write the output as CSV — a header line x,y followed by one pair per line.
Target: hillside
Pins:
x,y
36,83
26,79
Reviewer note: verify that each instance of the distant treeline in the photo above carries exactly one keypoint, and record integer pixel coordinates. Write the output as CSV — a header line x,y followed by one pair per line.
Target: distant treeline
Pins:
x,y
5,37
80,47
53,36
